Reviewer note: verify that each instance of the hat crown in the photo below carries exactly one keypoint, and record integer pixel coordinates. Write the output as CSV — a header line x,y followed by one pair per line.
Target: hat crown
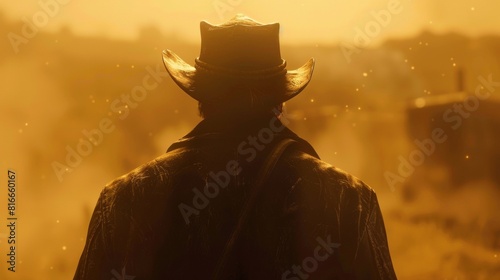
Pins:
x,y
241,44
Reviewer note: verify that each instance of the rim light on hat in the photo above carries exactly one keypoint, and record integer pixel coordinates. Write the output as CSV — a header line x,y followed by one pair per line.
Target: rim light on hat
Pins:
x,y
238,50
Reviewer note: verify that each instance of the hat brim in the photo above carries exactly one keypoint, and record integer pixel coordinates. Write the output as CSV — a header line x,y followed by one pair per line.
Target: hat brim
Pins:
x,y
184,75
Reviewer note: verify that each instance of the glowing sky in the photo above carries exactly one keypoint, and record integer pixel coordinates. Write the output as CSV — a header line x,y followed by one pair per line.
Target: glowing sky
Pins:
x,y
316,21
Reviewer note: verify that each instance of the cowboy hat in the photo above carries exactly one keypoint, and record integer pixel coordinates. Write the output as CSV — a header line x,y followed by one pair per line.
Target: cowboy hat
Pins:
x,y
238,52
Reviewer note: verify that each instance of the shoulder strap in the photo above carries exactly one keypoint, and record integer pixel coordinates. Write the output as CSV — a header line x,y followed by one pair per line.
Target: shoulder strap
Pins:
x,y
256,189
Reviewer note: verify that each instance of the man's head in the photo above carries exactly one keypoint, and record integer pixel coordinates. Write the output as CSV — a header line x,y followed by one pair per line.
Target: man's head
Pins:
x,y
240,71
237,98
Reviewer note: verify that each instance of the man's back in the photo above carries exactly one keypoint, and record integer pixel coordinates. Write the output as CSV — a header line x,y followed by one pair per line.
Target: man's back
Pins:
x,y
171,218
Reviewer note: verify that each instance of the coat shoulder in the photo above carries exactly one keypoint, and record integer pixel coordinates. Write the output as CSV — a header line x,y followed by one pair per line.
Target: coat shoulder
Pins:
x,y
318,172
149,179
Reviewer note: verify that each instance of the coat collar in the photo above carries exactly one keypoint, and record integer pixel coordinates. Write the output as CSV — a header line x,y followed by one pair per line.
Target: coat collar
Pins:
x,y
235,131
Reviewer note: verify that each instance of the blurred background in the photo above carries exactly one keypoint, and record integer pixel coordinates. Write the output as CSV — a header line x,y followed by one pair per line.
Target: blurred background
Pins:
x,y
405,95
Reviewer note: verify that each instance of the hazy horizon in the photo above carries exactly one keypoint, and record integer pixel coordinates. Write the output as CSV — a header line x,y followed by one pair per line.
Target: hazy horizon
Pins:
x,y
315,21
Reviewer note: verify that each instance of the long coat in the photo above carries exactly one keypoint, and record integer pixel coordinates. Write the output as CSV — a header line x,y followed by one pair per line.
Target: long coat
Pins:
x,y
171,218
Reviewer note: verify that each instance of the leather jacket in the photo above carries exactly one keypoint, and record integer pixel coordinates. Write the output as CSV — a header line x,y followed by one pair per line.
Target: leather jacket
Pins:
x,y
171,218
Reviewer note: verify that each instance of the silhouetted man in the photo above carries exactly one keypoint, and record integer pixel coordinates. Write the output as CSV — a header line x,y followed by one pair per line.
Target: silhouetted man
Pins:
x,y
241,196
